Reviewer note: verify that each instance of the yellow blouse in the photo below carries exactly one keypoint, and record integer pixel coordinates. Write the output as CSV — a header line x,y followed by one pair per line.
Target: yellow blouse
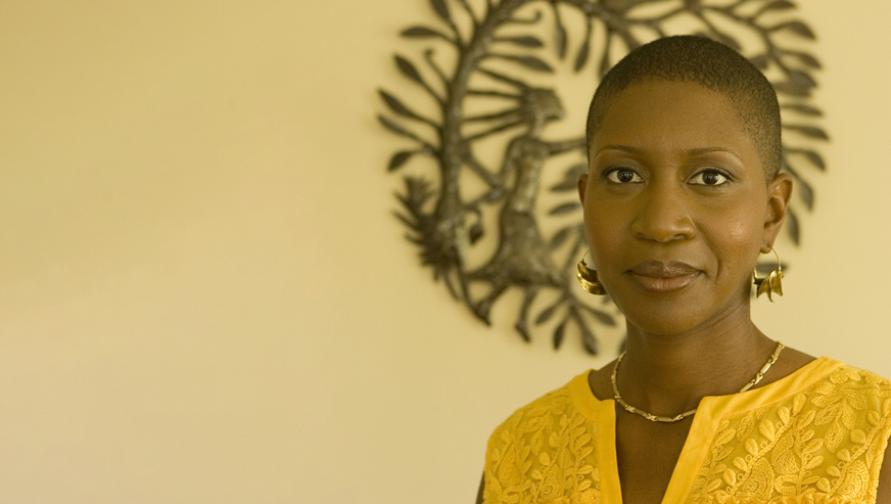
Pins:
x,y
817,435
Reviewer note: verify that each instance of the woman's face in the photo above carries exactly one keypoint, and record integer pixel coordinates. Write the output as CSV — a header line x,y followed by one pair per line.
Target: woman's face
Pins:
x,y
677,206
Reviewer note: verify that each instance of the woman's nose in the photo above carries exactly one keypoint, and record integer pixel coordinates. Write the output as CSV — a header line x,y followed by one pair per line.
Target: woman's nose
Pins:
x,y
663,214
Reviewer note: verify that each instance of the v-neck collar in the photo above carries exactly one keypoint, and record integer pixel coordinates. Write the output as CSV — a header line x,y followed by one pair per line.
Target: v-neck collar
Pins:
x,y
708,414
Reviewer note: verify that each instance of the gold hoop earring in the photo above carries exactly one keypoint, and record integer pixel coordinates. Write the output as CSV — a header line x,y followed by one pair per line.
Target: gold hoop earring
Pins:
x,y
772,283
588,278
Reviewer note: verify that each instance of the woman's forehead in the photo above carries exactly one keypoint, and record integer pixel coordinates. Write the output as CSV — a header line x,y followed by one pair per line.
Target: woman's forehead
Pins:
x,y
672,116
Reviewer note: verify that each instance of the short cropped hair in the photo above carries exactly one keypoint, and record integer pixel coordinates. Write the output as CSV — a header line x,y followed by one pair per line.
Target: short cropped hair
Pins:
x,y
688,58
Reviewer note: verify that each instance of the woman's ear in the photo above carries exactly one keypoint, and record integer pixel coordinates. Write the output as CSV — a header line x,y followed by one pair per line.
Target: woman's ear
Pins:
x,y
778,192
583,184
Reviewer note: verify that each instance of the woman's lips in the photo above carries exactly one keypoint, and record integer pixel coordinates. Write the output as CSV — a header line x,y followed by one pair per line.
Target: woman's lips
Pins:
x,y
664,284
661,276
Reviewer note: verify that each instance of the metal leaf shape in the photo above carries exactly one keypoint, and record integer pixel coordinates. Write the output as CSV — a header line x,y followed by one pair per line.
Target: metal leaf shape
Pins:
x,y
409,222
806,58
399,159
605,64
814,157
589,341
601,316
582,58
575,171
761,61
802,108
801,78
792,89
796,27
531,20
566,185
397,106
397,129
546,314
559,32
810,131
729,41
560,41
565,208
806,192
559,333
422,32
522,41
560,236
721,37
442,10
802,187
792,227
530,62
775,5
408,69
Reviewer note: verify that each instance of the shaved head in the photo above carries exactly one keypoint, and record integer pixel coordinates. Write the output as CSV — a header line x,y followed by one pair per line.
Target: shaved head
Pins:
x,y
712,65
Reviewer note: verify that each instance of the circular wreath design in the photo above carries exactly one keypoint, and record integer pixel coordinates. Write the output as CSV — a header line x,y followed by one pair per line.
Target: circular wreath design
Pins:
x,y
497,53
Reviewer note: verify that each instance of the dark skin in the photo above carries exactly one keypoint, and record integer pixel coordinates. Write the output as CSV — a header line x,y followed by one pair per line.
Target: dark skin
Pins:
x,y
673,176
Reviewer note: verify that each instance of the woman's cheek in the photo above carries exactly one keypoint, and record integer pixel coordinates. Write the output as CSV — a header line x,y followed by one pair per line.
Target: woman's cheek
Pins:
x,y
738,233
730,238
600,224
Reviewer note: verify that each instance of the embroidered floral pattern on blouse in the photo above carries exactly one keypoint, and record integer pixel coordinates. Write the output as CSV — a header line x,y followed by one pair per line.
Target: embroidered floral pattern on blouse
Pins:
x,y
543,453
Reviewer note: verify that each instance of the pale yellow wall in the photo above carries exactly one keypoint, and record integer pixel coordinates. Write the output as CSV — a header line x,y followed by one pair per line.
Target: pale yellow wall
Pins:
x,y
205,300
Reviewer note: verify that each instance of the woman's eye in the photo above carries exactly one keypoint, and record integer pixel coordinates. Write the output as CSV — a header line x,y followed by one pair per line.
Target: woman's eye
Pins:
x,y
623,176
709,178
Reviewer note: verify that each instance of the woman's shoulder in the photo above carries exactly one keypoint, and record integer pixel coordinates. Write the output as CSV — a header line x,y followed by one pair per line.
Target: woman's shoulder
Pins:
x,y
844,373
862,390
804,374
827,386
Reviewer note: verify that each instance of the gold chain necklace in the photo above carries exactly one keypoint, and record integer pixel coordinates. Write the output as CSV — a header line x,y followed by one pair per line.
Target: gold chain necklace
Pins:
x,y
677,418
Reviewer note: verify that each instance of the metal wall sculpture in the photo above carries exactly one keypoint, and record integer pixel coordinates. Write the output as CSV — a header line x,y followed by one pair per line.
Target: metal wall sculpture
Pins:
x,y
495,49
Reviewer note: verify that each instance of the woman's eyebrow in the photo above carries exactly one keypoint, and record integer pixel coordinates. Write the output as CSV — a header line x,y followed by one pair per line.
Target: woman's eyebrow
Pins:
x,y
708,150
692,152
626,148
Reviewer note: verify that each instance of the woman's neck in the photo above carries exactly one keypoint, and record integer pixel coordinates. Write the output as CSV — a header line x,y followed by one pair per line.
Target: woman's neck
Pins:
x,y
668,374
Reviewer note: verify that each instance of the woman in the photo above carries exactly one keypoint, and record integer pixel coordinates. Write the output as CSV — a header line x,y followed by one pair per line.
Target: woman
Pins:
x,y
683,192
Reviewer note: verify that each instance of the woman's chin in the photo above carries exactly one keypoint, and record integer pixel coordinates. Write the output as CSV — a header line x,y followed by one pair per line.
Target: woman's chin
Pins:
x,y
664,316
